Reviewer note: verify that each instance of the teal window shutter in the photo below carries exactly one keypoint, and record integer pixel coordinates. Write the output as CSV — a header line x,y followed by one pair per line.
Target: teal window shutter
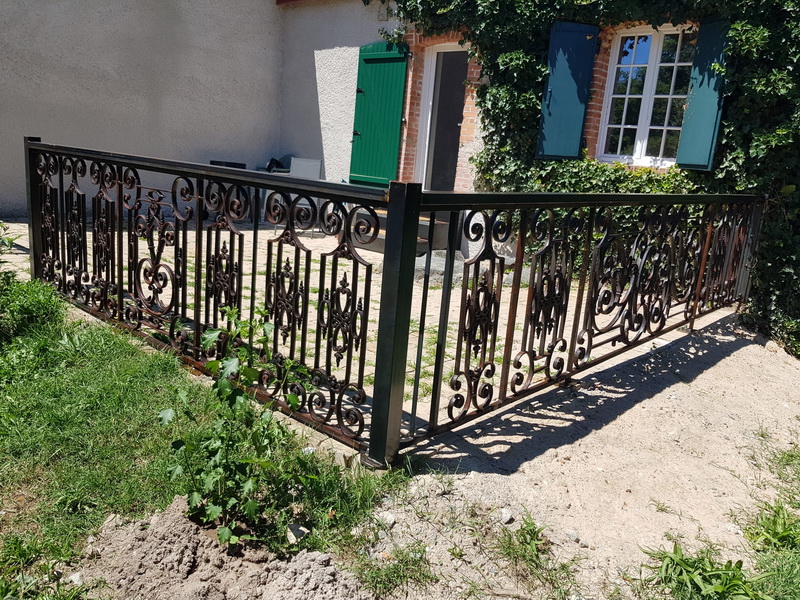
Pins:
x,y
381,84
570,61
704,103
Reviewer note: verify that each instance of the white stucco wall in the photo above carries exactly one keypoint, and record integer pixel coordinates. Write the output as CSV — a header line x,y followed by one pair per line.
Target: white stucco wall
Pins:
x,y
320,69
184,79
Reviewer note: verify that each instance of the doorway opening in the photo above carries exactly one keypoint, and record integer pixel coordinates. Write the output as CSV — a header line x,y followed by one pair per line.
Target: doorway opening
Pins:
x,y
445,74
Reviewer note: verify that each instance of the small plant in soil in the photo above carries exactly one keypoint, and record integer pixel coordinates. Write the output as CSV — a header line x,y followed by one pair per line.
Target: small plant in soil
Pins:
x,y
774,527
403,566
531,556
249,474
700,576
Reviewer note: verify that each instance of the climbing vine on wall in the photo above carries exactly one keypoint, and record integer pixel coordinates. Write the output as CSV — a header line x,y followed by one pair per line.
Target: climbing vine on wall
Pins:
x,y
758,149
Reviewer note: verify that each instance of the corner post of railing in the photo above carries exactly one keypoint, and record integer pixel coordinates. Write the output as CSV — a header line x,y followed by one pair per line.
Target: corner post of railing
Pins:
x,y
34,209
402,226
745,277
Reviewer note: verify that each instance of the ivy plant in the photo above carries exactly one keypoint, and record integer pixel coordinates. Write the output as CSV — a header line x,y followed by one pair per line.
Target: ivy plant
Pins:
x,y
757,146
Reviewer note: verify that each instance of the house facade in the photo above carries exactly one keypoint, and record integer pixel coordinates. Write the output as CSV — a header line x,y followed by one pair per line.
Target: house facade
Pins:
x,y
313,79
198,80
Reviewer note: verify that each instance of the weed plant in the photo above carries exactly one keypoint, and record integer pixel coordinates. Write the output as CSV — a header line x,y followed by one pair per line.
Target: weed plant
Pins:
x,y
249,474
701,576
404,565
531,556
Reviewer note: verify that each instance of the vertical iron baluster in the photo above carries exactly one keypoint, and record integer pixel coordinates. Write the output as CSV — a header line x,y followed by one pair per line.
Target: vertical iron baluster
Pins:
x,y
198,269
120,243
453,238
702,273
59,218
306,306
582,283
519,257
255,212
422,314
323,267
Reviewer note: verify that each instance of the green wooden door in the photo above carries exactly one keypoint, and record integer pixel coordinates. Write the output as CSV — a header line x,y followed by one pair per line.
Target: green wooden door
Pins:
x,y
379,111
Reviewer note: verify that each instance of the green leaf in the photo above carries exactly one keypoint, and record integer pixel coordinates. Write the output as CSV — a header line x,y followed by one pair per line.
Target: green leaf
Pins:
x,y
248,487
251,509
209,338
212,512
194,499
293,400
213,366
174,471
166,416
249,374
224,388
225,535
229,367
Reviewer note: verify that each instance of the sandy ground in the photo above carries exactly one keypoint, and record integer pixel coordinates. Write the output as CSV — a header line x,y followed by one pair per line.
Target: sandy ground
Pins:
x,y
661,444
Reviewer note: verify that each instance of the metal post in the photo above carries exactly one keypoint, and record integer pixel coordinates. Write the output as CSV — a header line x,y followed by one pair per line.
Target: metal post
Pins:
x,y
402,226
34,210
702,274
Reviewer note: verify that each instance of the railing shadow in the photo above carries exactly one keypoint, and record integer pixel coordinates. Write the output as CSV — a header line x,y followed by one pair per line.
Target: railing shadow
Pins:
x,y
508,439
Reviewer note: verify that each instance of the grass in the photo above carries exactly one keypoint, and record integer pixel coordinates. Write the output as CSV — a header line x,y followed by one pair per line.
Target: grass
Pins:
x,y
688,576
531,556
404,565
773,532
80,438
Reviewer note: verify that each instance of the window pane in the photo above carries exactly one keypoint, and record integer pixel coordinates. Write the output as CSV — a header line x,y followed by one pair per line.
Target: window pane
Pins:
x,y
676,112
682,75
659,112
688,45
637,79
615,114
626,50
632,114
612,140
664,82
671,144
642,50
670,48
654,142
621,82
628,140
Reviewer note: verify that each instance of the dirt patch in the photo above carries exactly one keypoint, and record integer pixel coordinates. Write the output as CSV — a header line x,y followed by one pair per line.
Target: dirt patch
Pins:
x,y
665,444
168,556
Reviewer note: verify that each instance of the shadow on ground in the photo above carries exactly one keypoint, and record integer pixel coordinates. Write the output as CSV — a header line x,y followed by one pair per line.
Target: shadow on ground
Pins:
x,y
507,439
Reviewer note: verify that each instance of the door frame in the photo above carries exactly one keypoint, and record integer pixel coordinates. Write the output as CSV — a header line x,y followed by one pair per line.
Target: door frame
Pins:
x,y
426,107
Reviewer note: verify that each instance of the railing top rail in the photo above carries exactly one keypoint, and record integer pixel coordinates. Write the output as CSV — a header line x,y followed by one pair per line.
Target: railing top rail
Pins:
x,y
432,201
280,183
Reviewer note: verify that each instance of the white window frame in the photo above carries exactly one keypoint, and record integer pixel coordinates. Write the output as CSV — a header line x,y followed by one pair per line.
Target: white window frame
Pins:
x,y
638,158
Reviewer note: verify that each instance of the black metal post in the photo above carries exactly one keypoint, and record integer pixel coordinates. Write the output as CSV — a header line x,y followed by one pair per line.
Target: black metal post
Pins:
x,y
34,210
402,226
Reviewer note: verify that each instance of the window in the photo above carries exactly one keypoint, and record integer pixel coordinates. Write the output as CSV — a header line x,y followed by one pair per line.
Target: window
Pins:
x,y
646,95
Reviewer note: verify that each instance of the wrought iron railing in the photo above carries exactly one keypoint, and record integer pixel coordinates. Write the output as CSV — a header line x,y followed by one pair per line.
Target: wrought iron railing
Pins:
x,y
400,346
